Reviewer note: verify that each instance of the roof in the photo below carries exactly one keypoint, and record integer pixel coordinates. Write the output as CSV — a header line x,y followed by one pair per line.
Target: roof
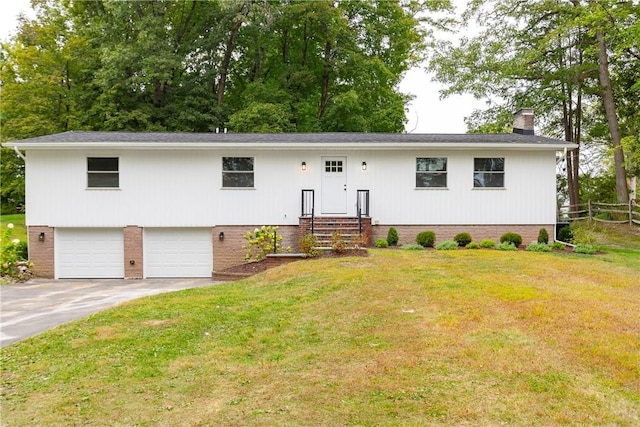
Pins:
x,y
73,139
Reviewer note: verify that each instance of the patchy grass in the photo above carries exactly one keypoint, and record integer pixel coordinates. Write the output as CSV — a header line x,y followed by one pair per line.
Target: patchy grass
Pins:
x,y
396,338
19,230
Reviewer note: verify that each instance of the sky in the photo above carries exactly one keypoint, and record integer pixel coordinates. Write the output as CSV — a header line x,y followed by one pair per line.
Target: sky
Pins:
x,y
427,112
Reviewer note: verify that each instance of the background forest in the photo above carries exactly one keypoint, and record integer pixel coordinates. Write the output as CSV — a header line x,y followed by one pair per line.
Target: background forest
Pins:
x,y
326,66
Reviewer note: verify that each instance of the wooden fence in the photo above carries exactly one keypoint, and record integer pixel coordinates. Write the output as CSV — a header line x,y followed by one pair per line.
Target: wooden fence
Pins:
x,y
615,213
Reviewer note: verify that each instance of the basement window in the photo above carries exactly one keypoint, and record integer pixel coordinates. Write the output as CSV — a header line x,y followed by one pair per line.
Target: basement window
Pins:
x,y
431,172
237,172
488,172
103,172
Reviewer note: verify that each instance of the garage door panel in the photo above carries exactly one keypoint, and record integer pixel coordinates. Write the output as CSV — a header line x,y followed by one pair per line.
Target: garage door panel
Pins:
x,y
178,252
89,253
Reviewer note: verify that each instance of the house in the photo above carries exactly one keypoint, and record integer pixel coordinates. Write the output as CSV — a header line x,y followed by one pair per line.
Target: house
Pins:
x,y
119,204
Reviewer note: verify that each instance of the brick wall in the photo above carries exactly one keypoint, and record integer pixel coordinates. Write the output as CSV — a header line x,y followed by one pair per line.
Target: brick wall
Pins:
x,y
133,255
41,252
407,233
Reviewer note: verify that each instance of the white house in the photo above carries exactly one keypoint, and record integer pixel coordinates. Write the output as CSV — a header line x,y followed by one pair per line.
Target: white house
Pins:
x,y
118,204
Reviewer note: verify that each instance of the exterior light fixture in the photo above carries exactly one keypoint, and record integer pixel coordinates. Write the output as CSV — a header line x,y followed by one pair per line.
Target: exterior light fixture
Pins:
x,y
364,166
304,166
41,237
221,236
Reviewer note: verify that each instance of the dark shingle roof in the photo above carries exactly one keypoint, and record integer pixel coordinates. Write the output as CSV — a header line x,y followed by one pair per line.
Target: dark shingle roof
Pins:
x,y
286,138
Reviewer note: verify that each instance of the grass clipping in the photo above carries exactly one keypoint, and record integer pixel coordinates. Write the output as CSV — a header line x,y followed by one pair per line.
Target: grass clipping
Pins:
x,y
397,338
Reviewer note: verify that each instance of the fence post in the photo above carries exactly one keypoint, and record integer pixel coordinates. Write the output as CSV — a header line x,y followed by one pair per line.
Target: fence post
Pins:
x,y
590,212
275,243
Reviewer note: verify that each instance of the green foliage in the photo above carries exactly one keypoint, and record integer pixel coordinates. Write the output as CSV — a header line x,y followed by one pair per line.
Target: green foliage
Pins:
x,y
487,244
308,244
565,235
514,238
338,243
412,247
538,247
426,239
262,241
11,182
507,246
392,237
582,248
557,246
472,245
381,243
583,235
447,245
463,239
543,236
13,256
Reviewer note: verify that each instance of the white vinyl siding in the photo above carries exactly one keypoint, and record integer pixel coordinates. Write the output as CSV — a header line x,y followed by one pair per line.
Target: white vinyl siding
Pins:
x,y
89,253
178,252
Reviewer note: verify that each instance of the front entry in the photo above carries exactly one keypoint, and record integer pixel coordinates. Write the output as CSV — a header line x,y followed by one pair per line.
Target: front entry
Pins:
x,y
334,185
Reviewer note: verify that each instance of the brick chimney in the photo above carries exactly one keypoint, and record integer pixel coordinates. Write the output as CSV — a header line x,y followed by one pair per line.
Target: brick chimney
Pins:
x,y
523,121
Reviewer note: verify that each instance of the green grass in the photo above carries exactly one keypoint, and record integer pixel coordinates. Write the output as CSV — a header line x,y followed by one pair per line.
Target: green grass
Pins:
x,y
19,229
400,337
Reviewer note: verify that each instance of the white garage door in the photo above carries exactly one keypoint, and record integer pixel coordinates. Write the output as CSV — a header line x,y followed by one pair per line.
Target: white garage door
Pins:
x,y
178,252
89,253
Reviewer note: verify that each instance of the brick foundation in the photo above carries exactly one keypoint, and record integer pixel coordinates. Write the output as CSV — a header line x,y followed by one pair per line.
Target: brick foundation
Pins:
x,y
42,252
407,233
133,254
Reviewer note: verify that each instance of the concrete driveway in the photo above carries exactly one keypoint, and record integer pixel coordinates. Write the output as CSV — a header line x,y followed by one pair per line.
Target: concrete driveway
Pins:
x,y
30,308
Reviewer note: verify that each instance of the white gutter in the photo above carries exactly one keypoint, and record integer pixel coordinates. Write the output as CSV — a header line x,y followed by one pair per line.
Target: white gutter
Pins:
x,y
24,159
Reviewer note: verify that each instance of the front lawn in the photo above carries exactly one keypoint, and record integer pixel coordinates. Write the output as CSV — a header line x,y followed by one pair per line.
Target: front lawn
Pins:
x,y
397,338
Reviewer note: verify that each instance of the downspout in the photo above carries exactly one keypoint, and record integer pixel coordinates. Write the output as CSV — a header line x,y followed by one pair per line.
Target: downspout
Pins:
x,y
24,159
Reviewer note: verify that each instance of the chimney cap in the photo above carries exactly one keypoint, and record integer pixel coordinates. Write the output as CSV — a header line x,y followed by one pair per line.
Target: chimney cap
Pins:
x,y
523,121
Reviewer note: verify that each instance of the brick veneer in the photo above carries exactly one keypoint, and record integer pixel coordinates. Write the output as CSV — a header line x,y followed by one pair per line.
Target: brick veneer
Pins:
x,y
133,252
407,233
41,253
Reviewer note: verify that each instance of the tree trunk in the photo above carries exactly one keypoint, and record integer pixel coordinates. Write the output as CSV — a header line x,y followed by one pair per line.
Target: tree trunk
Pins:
x,y
228,52
612,118
324,95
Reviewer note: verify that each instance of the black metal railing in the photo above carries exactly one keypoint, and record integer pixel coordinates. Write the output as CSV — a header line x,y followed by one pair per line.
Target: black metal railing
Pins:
x,y
362,206
308,205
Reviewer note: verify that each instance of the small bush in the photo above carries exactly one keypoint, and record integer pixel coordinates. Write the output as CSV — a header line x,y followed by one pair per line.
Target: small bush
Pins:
x,y
392,237
412,247
557,246
543,236
514,238
308,244
487,244
262,241
565,235
381,243
583,248
507,246
426,239
13,257
447,245
584,236
472,245
463,239
538,247
338,244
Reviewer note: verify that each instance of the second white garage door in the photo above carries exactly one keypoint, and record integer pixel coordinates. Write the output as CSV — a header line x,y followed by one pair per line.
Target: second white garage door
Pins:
x,y
178,252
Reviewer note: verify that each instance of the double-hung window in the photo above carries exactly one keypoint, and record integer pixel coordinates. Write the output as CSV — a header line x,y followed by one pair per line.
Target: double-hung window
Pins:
x,y
237,172
488,172
103,172
431,172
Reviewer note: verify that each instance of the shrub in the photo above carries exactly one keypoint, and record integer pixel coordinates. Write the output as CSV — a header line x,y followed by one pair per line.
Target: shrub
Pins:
x,y
392,237
381,243
565,235
487,244
507,246
426,239
447,245
338,244
412,247
543,236
308,244
557,246
538,247
472,245
514,238
583,248
262,241
462,239
13,257
583,235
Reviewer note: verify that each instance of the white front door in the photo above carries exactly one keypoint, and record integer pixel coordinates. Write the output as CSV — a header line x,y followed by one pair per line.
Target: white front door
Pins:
x,y
334,185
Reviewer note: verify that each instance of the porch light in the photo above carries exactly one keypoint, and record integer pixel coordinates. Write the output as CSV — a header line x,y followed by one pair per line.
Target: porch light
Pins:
x,y
364,166
221,236
304,166
41,237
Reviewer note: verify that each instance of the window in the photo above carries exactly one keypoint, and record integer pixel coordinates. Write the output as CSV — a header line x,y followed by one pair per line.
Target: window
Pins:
x,y
102,172
431,172
488,172
237,172
333,166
